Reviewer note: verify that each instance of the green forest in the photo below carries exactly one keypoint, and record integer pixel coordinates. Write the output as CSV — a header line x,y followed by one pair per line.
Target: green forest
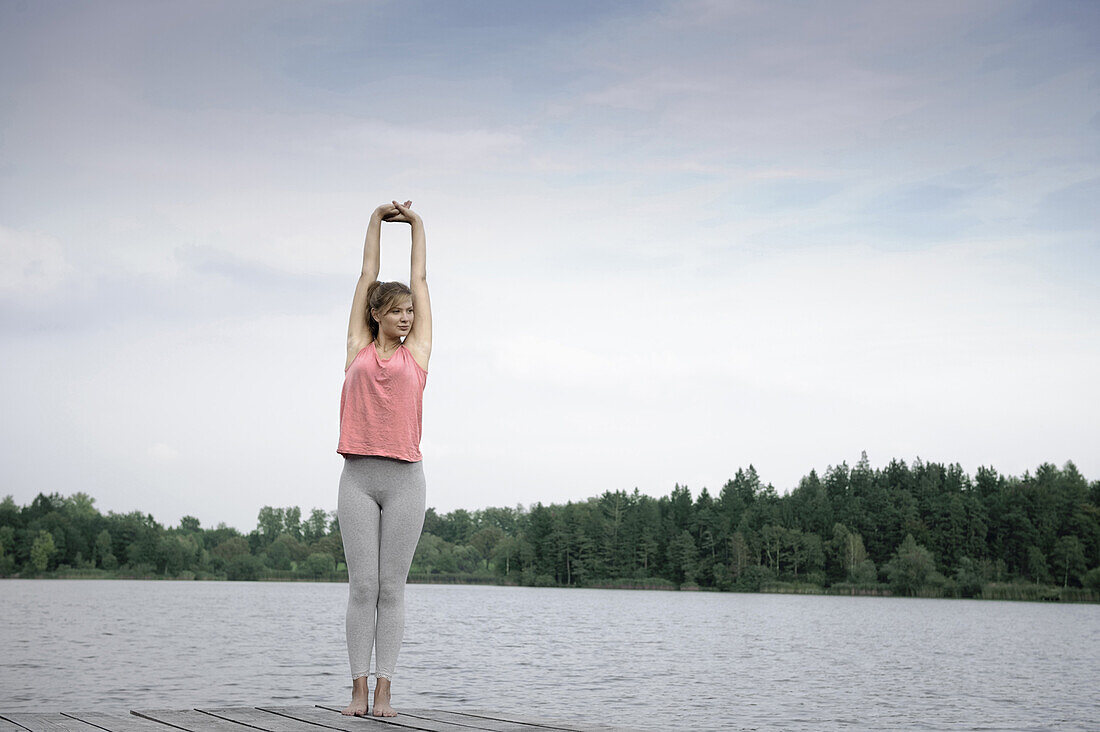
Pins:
x,y
924,530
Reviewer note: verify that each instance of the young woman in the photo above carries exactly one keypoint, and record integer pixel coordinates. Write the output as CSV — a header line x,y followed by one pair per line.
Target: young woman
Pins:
x,y
381,504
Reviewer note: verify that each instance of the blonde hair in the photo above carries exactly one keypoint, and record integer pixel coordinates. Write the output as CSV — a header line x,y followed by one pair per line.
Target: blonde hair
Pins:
x,y
382,296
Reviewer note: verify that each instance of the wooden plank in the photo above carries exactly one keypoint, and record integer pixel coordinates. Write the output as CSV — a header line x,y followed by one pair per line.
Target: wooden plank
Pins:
x,y
435,715
336,720
481,723
306,716
32,721
498,722
49,722
258,719
551,723
190,719
118,722
74,725
288,719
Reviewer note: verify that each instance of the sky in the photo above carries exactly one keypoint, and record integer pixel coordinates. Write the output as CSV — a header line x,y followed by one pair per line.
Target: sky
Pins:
x,y
666,241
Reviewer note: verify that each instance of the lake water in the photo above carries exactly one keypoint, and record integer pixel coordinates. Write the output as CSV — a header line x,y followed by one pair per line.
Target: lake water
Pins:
x,y
656,660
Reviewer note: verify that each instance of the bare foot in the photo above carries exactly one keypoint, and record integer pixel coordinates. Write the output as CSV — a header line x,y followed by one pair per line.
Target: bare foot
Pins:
x,y
382,706
359,694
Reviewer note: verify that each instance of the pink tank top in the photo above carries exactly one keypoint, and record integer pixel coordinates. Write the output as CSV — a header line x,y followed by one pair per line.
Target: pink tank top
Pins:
x,y
381,405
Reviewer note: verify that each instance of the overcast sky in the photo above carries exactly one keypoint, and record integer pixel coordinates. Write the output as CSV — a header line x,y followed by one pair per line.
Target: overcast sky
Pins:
x,y
666,240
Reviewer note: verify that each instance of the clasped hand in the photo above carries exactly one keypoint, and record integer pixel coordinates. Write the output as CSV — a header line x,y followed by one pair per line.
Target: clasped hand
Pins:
x,y
397,212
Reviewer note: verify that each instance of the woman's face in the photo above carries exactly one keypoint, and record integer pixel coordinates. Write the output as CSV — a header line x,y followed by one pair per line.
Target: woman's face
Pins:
x,y
397,321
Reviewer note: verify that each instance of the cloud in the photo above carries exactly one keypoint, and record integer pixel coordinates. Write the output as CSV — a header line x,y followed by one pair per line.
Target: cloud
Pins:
x,y
161,452
1075,207
209,285
31,264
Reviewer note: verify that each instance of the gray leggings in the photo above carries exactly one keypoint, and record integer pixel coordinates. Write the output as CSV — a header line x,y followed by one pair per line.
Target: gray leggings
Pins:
x,y
381,513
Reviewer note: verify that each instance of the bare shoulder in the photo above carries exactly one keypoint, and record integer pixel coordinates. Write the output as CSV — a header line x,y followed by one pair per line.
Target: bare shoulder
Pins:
x,y
420,351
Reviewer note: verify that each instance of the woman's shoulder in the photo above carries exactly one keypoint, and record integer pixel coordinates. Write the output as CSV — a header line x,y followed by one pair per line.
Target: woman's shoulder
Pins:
x,y
416,355
354,351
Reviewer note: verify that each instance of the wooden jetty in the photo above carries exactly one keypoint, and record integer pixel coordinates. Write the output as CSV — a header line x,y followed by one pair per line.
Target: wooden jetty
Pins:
x,y
316,718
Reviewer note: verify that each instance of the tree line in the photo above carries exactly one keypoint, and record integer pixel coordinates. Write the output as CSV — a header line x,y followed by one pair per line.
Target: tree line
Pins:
x,y
924,529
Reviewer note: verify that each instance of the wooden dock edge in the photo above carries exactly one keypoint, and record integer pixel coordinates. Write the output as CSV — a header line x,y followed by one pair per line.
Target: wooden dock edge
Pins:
x,y
299,718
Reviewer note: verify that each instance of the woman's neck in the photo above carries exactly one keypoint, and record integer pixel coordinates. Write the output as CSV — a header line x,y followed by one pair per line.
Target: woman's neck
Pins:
x,y
386,345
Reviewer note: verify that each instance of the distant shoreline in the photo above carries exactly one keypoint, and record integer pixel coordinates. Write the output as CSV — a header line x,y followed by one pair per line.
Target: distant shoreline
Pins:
x,y
1014,592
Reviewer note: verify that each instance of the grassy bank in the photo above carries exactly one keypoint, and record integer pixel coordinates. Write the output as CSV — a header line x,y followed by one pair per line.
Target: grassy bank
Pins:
x,y
1019,591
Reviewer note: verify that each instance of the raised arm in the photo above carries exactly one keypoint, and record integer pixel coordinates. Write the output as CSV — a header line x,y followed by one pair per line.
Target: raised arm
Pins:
x,y
419,339
358,331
